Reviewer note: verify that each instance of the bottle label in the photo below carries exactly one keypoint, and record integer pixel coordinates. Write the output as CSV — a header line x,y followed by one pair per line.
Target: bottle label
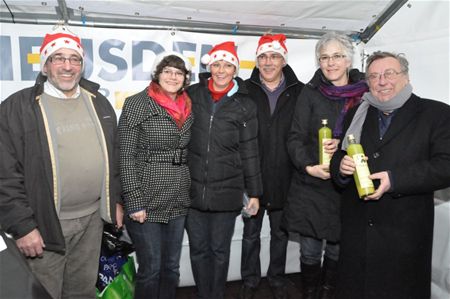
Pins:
x,y
362,170
325,156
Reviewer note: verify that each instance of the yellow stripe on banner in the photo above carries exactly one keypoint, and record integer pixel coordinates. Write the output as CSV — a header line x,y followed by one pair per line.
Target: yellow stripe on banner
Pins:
x,y
191,60
120,97
33,58
247,64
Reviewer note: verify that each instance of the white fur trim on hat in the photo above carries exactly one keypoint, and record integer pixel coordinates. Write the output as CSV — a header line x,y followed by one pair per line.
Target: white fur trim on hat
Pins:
x,y
205,59
273,46
272,43
60,38
209,59
160,57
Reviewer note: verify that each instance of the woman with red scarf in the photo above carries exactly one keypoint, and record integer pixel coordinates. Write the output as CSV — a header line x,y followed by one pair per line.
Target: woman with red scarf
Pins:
x,y
154,130
224,163
313,205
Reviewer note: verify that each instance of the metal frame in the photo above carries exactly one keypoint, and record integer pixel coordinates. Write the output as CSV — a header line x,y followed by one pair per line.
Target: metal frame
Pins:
x,y
68,16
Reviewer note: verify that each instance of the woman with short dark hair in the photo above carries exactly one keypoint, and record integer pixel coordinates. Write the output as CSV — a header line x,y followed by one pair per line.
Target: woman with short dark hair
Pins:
x,y
154,130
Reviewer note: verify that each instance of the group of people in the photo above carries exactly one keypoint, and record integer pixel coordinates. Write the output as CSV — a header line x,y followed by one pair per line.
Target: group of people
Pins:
x,y
182,157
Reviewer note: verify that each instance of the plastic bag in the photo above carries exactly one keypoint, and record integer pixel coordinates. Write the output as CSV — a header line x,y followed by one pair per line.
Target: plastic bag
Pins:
x,y
122,286
112,241
116,269
246,212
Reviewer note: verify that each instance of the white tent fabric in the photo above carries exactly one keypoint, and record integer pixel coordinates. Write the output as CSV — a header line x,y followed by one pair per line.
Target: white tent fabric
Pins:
x,y
305,17
421,30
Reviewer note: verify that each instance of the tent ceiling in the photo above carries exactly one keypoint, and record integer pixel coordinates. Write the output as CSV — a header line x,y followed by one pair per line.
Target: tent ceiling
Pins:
x,y
297,19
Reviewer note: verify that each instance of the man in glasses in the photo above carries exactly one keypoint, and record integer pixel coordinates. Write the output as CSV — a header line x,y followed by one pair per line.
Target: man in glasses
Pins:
x,y
274,87
58,172
386,237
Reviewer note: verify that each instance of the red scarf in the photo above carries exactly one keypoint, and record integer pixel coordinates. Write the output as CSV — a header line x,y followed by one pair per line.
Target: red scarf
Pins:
x,y
217,95
179,109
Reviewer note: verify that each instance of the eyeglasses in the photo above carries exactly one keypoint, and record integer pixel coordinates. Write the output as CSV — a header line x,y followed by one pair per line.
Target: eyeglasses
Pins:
x,y
335,57
59,60
170,73
389,74
273,57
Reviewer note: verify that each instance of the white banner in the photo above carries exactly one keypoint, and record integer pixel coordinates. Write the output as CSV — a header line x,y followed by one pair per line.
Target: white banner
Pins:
x,y
120,60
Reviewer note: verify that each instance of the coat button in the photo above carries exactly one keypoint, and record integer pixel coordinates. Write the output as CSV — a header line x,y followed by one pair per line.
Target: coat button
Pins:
x,y
370,222
376,155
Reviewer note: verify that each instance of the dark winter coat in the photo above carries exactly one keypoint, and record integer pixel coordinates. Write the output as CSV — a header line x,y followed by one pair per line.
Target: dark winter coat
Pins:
x,y
386,244
27,197
153,154
313,204
223,152
273,129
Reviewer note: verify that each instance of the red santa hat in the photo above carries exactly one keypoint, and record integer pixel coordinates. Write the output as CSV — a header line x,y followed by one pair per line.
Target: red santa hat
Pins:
x,y
61,37
225,51
273,43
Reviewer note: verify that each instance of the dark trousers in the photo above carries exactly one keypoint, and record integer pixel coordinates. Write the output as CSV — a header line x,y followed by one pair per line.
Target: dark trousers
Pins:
x,y
251,246
311,250
210,236
158,251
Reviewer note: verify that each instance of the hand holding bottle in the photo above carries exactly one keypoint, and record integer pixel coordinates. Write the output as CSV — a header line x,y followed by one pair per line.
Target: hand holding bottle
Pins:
x,y
330,146
347,166
319,171
361,173
385,185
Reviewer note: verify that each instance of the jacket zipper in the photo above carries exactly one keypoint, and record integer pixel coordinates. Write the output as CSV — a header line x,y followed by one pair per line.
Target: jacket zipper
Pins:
x,y
211,118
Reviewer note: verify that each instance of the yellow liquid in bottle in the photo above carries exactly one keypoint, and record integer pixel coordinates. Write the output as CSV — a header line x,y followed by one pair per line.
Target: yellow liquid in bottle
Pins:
x,y
324,135
361,175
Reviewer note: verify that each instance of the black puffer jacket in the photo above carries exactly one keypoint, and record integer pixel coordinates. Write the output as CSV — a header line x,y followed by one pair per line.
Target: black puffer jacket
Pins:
x,y
223,151
273,129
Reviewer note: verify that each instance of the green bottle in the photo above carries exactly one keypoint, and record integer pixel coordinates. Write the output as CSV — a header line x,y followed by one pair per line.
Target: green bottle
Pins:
x,y
361,174
324,135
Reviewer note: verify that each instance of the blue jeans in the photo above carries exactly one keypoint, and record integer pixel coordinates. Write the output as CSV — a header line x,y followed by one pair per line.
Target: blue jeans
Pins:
x,y
251,246
210,236
158,251
311,250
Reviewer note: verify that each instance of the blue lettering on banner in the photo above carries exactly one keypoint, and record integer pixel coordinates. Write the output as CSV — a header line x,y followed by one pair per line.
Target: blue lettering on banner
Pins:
x,y
6,68
180,47
107,56
205,50
88,57
105,51
137,58
26,45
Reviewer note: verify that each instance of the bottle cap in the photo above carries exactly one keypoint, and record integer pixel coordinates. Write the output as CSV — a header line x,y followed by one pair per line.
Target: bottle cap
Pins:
x,y
324,121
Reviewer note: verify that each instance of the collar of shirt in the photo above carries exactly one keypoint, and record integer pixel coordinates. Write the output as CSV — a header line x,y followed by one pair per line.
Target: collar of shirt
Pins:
x,y
51,90
267,88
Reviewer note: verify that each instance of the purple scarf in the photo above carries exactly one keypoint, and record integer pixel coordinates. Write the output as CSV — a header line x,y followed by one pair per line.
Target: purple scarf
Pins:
x,y
350,93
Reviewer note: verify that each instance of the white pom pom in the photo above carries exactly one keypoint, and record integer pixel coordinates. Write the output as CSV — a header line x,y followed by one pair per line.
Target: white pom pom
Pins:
x,y
276,45
205,59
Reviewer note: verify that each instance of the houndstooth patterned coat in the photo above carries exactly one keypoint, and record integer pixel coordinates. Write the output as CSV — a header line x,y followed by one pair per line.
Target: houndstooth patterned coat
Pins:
x,y
153,153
